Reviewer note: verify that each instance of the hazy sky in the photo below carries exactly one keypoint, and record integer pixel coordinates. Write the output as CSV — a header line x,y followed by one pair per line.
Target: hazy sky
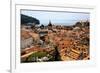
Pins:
x,y
64,18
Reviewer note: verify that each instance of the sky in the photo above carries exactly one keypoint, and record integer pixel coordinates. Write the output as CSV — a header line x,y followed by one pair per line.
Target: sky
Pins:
x,y
57,18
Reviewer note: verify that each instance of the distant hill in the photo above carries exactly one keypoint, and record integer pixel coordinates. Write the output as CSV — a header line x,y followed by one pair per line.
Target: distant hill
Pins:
x,y
27,19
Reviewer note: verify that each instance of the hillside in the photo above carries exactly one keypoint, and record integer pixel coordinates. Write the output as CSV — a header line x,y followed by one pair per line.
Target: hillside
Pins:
x,y
27,19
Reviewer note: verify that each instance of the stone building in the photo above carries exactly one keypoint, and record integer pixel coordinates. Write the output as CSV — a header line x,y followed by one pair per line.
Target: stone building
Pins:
x,y
26,39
